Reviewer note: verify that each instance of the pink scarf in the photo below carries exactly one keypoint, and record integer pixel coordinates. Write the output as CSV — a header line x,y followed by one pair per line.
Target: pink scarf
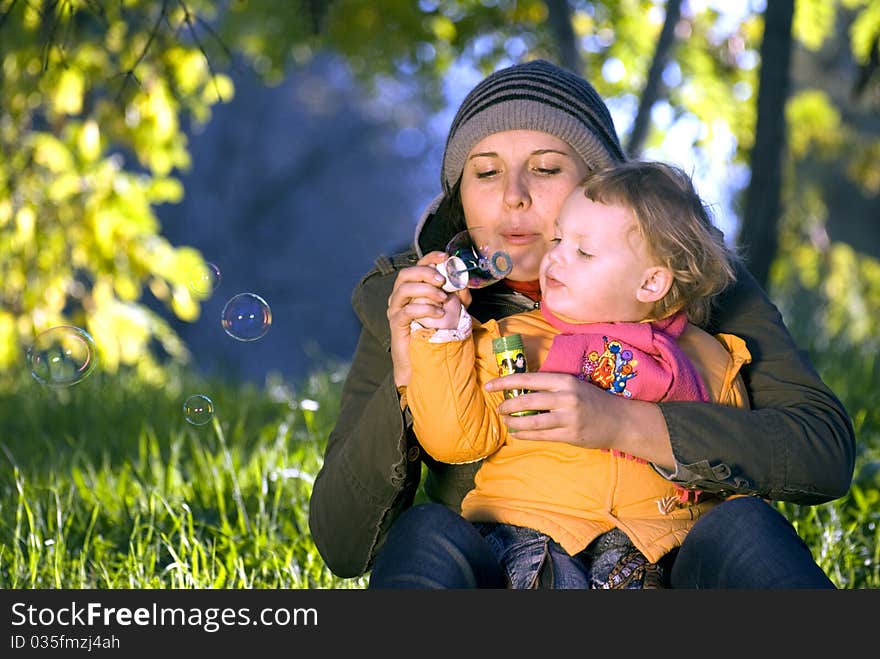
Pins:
x,y
636,360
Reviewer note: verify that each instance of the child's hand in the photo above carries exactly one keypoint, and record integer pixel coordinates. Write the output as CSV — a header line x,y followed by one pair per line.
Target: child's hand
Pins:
x,y
451,310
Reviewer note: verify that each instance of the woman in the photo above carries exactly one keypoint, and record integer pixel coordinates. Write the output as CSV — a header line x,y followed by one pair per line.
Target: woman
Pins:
x,y
519,143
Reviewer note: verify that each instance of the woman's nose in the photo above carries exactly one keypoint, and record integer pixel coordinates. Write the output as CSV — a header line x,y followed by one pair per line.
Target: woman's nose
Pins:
x,y
516,191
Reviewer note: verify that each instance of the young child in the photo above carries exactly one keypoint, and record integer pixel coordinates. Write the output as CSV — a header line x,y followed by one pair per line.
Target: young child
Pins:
x,y
632,273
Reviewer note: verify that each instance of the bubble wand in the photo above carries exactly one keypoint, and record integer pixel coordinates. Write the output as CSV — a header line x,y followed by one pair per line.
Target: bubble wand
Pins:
x,y
471,266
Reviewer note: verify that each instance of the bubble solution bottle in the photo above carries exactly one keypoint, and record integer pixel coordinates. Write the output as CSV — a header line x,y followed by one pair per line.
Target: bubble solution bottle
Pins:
x,y
511,358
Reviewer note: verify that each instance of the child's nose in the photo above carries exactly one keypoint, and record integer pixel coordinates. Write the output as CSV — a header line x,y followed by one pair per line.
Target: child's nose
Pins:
x,y
556,254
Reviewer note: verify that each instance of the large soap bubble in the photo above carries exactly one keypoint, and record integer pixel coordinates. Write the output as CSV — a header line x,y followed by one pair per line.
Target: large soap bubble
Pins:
x,y
246,317
474,261
62,356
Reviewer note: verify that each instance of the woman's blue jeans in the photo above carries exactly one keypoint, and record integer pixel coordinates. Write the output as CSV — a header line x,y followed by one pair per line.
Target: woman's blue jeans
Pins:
x,y
741,543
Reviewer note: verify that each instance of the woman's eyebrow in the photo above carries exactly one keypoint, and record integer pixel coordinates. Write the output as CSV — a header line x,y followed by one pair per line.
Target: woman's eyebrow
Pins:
x,y
540,152
536,152
484,154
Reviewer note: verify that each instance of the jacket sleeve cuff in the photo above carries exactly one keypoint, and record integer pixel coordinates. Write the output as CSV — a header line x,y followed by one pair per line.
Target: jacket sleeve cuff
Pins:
x,y
460,333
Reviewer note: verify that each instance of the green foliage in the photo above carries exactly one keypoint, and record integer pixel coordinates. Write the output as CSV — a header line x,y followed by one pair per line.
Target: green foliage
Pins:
x,y
829,295
813,22
829,291
816,125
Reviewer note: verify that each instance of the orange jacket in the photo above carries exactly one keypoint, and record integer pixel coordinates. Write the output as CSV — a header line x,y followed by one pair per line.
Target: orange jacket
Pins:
x,y
570,493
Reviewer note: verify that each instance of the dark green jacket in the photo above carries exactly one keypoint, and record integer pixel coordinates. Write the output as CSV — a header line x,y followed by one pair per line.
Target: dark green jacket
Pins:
x,y
796,443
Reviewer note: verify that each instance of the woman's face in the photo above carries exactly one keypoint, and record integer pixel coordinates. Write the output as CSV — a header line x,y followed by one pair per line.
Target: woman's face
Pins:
x,y
513,186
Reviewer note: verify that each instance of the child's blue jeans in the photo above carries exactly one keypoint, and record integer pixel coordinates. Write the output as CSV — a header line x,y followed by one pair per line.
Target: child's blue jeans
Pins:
x,y
530,559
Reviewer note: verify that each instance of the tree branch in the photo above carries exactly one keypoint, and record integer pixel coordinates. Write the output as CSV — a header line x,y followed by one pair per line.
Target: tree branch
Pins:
x,y
187,18
652,84
130,74
559,17
7,12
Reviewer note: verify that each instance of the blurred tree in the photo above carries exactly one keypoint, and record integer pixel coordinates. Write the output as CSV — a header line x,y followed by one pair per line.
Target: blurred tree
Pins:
x,y
758,237
559,17
826,276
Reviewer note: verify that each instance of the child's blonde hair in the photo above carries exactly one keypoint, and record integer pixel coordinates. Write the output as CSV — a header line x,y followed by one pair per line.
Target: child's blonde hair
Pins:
x,y
677,229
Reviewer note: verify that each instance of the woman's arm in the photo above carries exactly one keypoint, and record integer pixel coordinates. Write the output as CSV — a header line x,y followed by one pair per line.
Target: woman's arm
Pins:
x,y
371,465
796,443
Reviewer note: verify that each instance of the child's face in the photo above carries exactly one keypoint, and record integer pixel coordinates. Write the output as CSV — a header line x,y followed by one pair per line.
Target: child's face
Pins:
x,y
597,265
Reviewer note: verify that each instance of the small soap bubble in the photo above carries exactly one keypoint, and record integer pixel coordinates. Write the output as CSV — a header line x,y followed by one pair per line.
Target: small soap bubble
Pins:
x,y
62,356
205,280
198,409
246,317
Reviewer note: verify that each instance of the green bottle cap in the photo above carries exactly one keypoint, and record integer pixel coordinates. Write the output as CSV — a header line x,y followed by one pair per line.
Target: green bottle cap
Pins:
x,y
509,342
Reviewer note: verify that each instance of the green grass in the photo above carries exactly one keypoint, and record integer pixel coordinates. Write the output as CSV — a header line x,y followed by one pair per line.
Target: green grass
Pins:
x,y
105,485
844,535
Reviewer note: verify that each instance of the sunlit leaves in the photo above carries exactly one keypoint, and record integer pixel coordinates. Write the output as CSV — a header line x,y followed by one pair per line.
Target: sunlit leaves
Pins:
x,y
813,21
851,315
865,166
443,29
51,153
91,137
88,141
827,287
865,30
8,337
814,123
67,97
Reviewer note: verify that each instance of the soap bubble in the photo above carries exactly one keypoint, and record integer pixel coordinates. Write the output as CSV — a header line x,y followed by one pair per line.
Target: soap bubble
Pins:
x,y
475,261
246,317
198,409
62,356
205,280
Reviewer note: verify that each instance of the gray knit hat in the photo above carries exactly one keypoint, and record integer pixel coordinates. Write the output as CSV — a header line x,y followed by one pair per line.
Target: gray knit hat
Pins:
x,y
536,95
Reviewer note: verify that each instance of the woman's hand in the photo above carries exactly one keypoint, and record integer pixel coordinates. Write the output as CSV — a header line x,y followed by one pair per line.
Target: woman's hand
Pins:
x,y
582,414
418,295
